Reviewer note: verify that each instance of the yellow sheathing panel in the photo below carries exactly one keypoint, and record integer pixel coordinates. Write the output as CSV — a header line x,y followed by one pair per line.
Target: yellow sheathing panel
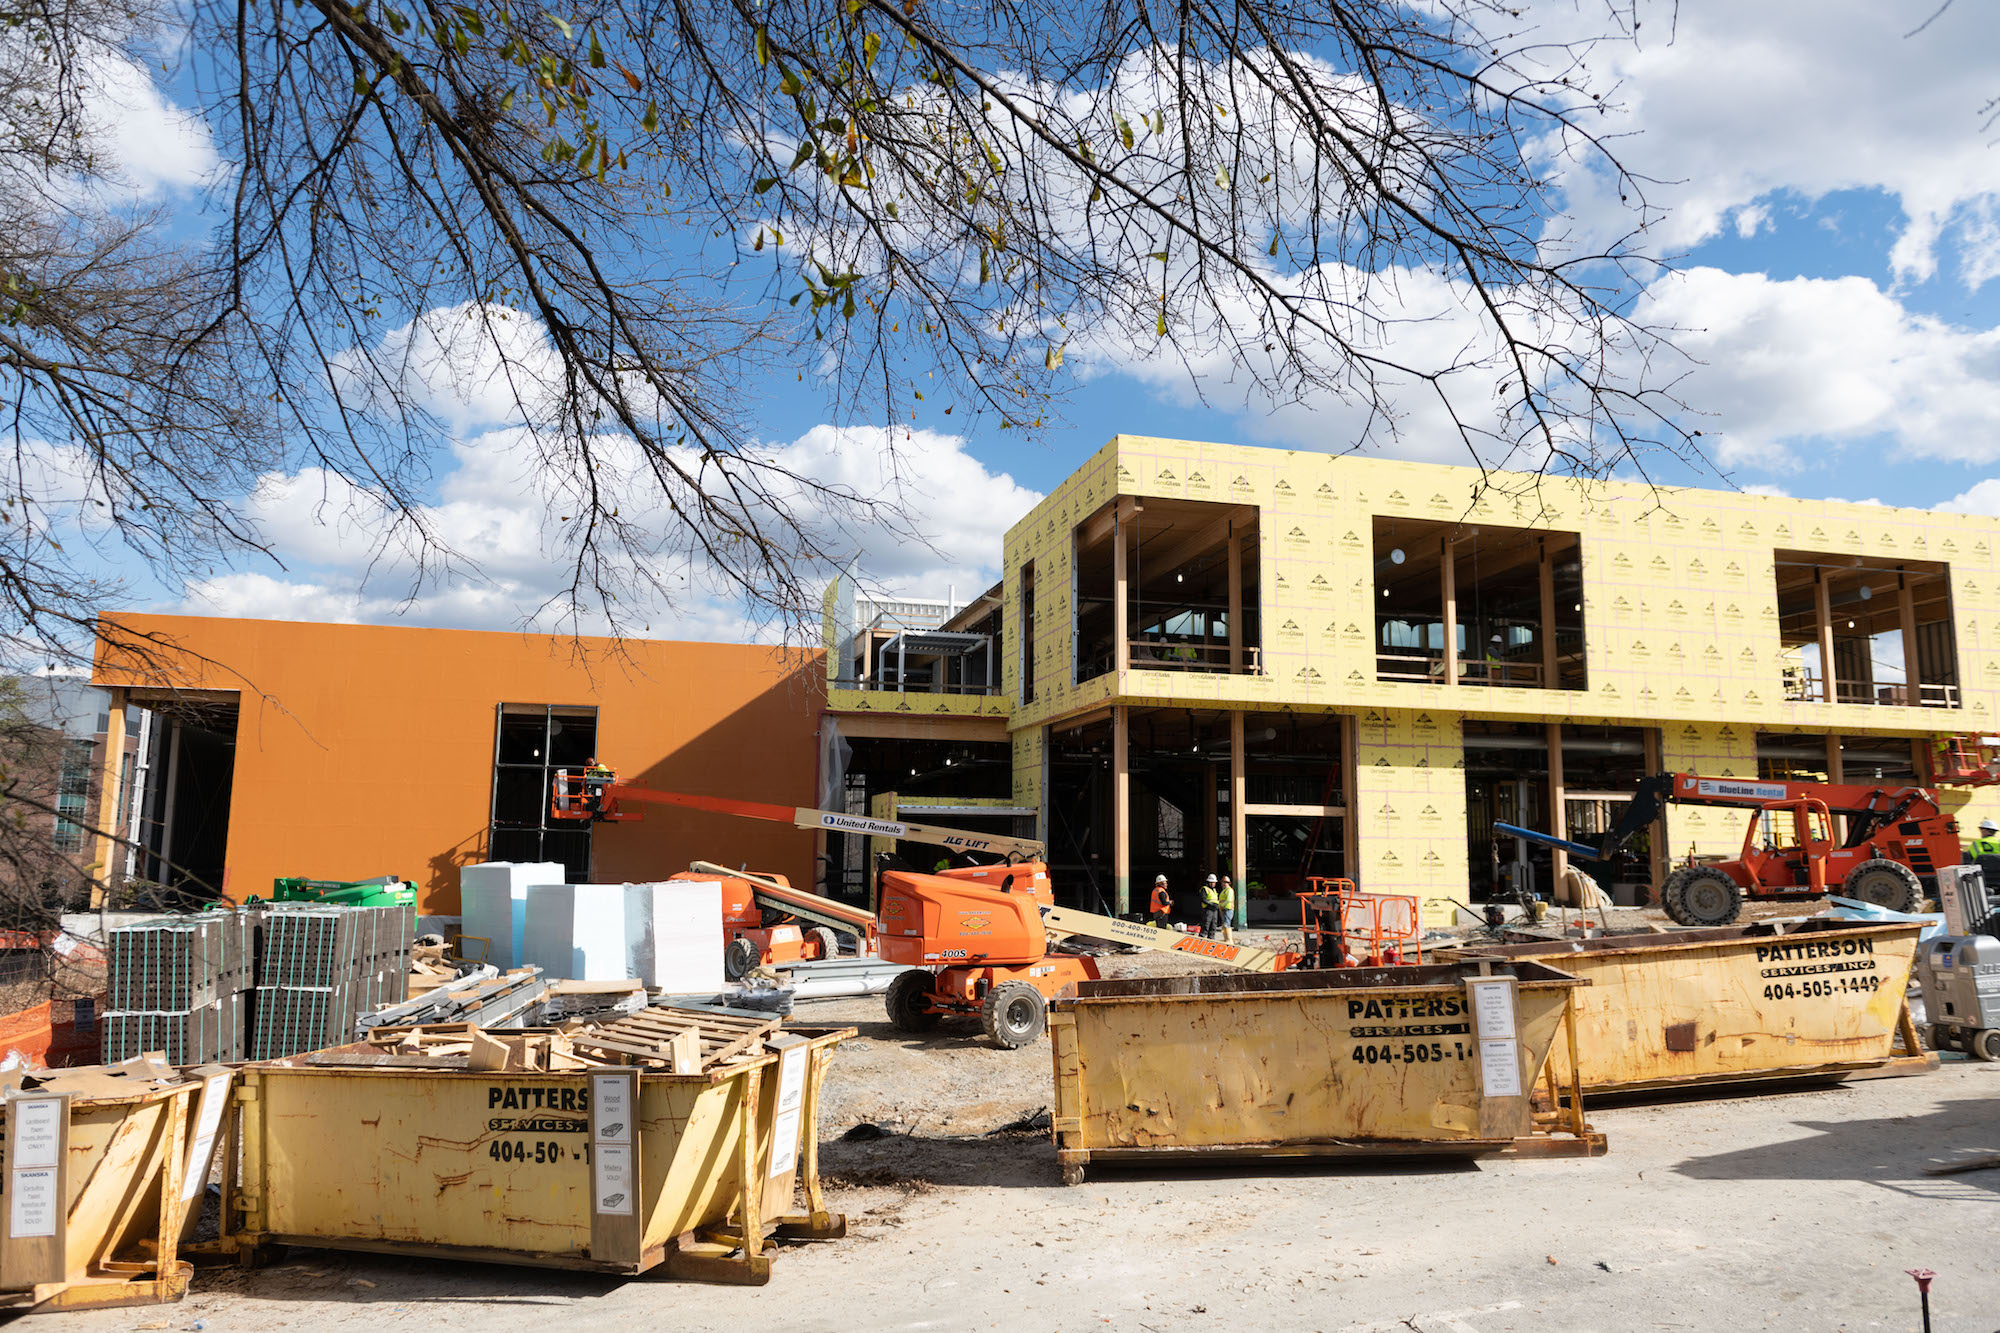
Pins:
x,y
1028,743
1680,606
1723,750
1408,806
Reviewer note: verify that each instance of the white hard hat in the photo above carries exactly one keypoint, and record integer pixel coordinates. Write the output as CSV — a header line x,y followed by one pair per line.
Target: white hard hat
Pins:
x,y
1988,826
1211,879
1159,879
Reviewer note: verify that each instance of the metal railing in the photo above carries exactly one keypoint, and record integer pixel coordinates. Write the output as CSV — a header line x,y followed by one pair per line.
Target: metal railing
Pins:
x,y
1803,686
1157,654
1428,669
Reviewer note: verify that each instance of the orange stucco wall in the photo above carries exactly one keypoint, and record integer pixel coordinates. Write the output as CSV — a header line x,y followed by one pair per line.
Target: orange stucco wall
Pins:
x,y
367,750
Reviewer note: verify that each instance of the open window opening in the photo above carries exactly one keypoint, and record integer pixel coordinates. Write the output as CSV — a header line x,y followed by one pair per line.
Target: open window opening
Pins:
x,y
1478,605
1861,632
1167,585
910,646
532,741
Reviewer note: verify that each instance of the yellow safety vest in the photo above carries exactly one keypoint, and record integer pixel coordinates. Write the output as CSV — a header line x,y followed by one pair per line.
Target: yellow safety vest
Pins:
x,y
1209,897
1228,897
1983,847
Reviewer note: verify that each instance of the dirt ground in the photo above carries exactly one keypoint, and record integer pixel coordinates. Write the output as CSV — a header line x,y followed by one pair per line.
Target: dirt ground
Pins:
x,y
1781,1210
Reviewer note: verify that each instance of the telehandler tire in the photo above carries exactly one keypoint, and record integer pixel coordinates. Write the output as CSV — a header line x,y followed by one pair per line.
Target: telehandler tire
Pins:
x,y
1014,1014
908,1001
1701,896
1885,883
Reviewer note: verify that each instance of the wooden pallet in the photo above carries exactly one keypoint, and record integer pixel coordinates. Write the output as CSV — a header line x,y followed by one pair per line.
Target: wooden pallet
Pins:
x,y
644,1037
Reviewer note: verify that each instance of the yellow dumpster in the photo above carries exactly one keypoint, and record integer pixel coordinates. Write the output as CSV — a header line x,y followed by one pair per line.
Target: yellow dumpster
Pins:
x,y
104,1171
1774,1000
610,1169
1356,1062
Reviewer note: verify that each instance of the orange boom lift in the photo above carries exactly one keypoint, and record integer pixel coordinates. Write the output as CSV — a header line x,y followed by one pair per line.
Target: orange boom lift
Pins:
x,y
982,940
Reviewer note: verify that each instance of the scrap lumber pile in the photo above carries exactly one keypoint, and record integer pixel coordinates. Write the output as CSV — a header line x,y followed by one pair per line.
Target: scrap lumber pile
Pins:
x,y
666,1039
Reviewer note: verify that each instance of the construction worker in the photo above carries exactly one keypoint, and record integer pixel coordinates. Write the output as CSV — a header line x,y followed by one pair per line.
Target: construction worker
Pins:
x,y
1162,903
1226,900
1211,909
1987,843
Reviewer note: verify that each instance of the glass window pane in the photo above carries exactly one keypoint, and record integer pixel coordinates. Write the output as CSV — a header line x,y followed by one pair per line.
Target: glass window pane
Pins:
x,y
515,845
572,738
519,797
523,739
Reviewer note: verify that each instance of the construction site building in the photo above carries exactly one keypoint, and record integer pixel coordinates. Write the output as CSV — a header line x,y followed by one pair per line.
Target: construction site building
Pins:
x,y
1281,664
279,748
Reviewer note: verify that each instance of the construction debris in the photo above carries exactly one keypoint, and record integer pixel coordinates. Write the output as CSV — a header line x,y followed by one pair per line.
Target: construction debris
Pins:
x,y
480,998
664,1040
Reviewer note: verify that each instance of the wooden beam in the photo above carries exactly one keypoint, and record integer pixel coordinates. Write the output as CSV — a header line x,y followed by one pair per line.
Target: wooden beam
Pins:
x,y
1650,738
1102,523
1121,644
1239,836
1906,610
1121,808
1448,590
1836,771
1206,537
1823,627
110,771
1235,601
921,726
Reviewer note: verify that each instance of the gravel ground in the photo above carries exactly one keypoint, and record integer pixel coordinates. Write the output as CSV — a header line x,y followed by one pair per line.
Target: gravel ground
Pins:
x,y
1784,1210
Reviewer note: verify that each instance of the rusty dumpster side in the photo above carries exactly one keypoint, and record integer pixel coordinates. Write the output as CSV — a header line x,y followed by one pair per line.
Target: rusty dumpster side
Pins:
x,y
699,1171
1340,1063
1805,999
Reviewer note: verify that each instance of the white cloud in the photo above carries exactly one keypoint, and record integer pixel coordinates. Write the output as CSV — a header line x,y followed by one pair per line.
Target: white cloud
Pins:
x,y
151,144
502,513
1732,104
1983,497
1784,364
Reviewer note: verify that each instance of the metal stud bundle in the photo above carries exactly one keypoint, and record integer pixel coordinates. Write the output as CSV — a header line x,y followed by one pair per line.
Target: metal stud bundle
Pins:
x,y
323,966
181,986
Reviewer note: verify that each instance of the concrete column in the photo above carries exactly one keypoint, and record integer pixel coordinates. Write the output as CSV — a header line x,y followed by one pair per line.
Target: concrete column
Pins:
x,y
1558,815
1210,853
1548,625
1121,802
1906,608
110,769
1235,601
1823,620
1448,586
1239,838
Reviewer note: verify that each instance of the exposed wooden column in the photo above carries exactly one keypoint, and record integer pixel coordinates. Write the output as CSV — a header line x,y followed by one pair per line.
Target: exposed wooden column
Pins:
x,y
1235,601
1558,815
1121,648
1239,837
1121,805
1921,762
110,771
1210,848
1906,608
1654,764
1548,626
1448,587
1823,619
1836,771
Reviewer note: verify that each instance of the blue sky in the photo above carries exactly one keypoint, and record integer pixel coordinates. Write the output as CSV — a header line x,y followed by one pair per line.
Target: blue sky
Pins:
x,y
1831,195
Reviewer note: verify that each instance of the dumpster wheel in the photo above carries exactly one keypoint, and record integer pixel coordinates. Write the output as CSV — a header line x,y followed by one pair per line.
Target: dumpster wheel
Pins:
x,y
1014,1014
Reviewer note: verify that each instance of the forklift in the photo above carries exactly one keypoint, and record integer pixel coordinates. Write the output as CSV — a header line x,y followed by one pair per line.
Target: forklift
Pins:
x,y
1897,839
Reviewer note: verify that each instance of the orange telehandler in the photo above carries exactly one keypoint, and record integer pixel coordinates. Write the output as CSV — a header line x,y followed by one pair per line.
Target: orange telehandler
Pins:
x,y
1896,839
